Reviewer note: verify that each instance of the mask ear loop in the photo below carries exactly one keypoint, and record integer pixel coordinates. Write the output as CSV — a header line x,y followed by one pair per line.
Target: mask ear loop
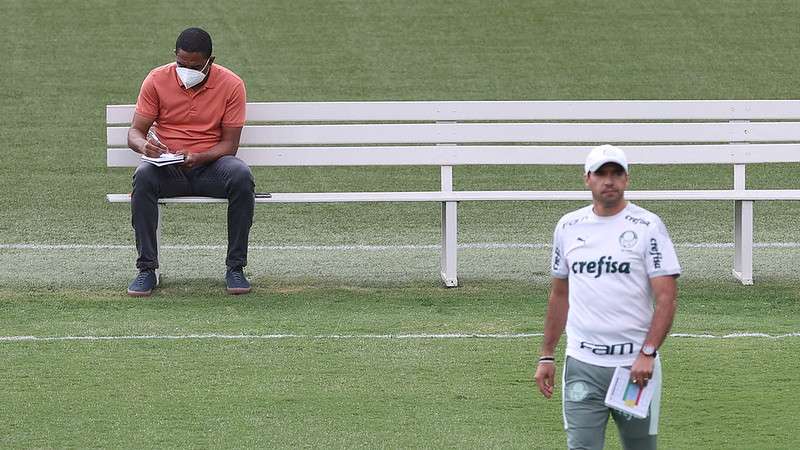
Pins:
x,y
204,66
207,62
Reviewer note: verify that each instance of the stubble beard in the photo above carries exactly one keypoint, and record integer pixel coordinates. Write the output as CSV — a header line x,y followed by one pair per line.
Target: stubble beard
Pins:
x,y
610,202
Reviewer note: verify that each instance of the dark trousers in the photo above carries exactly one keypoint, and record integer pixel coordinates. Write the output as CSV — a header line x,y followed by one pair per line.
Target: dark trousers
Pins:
x,y
227,177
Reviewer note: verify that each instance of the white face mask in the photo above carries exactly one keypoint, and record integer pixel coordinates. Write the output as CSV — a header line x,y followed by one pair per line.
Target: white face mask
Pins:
x,y
190,77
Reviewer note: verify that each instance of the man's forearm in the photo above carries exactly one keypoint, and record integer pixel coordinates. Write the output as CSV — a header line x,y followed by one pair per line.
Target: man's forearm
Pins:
x,y
553,328
666,300
218,151
662,322
136,140
556,318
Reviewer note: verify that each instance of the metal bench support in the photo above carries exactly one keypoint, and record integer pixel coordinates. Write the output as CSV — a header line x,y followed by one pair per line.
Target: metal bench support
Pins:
x,y
158,243
742,231
449,253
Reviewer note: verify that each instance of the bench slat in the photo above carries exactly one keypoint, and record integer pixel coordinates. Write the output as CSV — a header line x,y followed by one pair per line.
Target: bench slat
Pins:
x,y
505,132
507,110
458,196
475,155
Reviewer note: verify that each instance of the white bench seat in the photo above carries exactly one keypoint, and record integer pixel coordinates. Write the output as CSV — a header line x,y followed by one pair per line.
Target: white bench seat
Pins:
x,y
540,133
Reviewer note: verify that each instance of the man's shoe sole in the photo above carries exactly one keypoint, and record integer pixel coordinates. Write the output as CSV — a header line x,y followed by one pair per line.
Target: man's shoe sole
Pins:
x,y
140,293
237,291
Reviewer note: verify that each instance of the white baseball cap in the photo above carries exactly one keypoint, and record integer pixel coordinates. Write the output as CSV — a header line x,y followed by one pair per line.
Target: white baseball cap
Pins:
x,y
605,154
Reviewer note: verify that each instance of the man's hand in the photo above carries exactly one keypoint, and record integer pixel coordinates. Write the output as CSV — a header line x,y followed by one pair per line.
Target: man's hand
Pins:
x,y
642,369
153,148
142,140
545,378
192,159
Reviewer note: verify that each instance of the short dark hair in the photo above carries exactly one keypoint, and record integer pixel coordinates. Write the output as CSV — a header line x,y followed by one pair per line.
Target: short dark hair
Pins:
x,y
194,40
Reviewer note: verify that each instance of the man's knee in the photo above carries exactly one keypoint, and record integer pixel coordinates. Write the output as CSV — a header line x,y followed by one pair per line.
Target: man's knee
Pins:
x,y
635,434
240,177
145,177
586,438
648,442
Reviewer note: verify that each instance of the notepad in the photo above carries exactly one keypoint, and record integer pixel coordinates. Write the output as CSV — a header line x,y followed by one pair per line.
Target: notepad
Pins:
x,y
628,397
165,159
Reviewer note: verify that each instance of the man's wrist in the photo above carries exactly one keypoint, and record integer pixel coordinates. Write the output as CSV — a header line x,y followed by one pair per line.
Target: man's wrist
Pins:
x,y
547,359
143,147
649,351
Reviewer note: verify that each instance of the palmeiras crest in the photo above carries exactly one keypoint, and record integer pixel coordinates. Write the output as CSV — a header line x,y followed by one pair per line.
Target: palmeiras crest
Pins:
x,y
628,239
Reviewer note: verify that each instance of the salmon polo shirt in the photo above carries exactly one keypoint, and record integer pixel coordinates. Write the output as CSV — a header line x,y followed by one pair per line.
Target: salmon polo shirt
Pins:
x,y
189,119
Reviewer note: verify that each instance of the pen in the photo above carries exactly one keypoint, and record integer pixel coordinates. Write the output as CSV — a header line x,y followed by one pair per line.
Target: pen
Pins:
x,y
154,137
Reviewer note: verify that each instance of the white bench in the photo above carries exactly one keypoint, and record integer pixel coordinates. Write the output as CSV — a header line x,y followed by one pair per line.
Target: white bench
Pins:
x,y
455,133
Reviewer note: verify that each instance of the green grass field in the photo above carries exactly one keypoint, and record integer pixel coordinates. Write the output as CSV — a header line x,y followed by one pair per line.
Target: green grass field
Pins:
x,y
64,61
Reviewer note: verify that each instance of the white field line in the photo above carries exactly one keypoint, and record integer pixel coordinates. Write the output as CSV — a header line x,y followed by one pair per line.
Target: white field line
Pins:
x,y
377,248
352,336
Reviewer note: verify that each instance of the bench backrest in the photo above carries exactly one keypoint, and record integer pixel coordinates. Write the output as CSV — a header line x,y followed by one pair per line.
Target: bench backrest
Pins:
x,y
503,132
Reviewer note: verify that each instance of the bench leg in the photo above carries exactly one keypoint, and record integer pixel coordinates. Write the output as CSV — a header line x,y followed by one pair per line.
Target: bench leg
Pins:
x,y
743,241
158,244
449,243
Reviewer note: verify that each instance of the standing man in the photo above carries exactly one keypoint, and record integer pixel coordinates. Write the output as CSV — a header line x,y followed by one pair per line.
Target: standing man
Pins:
x,y
196,108
611,261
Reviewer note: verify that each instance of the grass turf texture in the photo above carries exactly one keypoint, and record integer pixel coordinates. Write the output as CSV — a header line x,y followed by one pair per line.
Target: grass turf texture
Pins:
x,y
361,392
470,393
65,63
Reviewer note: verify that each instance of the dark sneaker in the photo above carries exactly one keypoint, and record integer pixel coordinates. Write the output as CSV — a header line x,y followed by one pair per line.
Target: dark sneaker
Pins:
x,y
235,281
143,284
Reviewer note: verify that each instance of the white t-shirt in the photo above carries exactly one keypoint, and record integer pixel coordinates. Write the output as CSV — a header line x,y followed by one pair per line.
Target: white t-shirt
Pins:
x,y
609,262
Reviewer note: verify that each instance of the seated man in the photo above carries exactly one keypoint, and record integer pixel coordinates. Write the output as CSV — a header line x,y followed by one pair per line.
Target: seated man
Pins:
x,y
196,108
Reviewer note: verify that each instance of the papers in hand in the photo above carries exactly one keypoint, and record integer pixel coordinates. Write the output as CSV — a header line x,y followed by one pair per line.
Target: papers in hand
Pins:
x,y
165,159
628,397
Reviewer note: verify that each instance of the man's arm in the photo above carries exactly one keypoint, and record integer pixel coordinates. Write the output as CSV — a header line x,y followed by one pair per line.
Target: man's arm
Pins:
x,y
554,323
137,140
665,290
227,145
